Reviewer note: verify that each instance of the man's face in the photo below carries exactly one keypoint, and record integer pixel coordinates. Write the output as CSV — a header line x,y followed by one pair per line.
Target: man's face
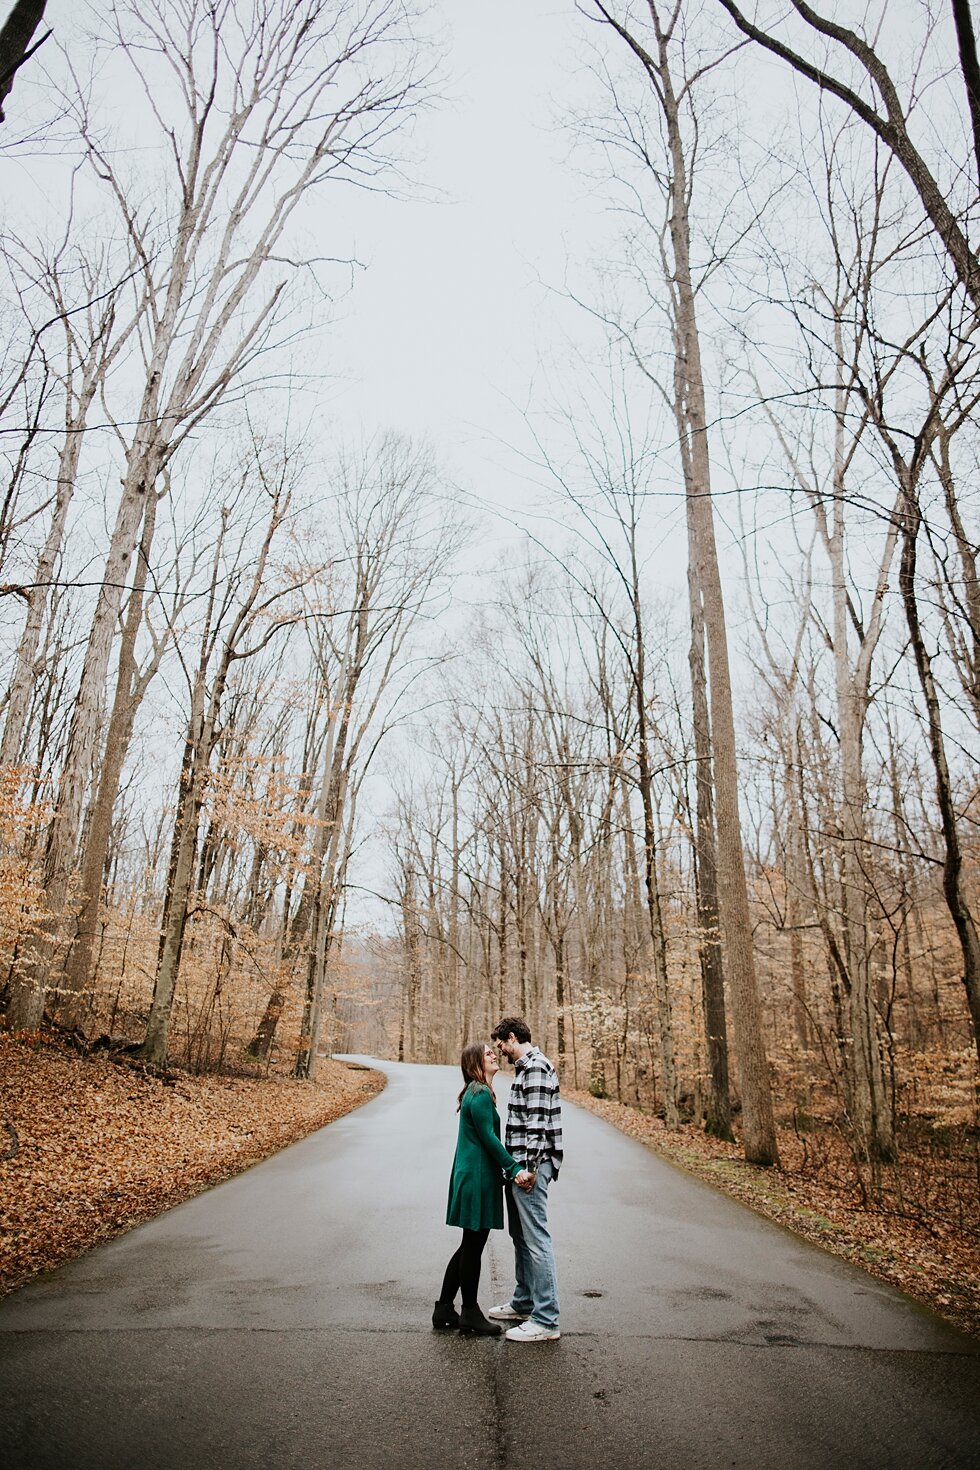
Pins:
x,y
510,1048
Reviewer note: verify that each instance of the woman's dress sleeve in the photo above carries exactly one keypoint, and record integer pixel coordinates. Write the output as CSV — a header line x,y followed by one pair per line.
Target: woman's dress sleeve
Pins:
x,y
482,1111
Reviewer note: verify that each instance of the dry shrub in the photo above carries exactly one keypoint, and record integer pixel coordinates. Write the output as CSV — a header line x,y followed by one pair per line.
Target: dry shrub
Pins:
x,y
22,908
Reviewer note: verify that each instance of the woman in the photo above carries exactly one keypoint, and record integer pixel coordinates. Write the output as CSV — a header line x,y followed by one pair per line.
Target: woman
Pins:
x,y
475,1190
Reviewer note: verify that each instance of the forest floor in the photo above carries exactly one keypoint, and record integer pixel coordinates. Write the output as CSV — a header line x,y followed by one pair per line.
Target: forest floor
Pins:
x,y
933,1261
90,1147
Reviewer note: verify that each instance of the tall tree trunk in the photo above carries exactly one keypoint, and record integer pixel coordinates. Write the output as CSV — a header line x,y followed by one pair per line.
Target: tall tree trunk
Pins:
x,y
871,1119
79,972
657,942
758,1124
323,934
306,922
719,1108
16,39
82,752
558,943
757,1116
184,856
794,861
969,593
413,970
954,886
202,736
25,672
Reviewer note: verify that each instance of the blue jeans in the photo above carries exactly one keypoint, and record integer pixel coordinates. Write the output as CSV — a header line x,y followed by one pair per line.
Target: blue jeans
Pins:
x,y
536,1292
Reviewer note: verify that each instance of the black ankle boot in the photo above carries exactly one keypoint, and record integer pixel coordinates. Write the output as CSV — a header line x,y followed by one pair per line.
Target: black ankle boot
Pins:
x,y
471,1319
445,1317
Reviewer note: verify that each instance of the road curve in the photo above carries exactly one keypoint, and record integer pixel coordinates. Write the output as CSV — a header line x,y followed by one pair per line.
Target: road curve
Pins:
x,y
282,1320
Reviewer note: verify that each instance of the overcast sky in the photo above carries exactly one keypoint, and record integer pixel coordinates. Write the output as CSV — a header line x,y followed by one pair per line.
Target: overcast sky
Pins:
x,y
458,305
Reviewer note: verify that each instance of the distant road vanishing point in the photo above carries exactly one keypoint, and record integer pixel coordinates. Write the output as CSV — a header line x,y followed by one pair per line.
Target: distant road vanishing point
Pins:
x,y
282,1320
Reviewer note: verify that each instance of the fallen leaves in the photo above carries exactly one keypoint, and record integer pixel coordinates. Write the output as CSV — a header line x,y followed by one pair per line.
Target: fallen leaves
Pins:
x,y
100,1147
936,1264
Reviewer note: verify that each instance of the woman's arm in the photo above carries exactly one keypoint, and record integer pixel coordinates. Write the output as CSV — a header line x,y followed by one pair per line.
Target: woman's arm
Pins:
x,y
481,1111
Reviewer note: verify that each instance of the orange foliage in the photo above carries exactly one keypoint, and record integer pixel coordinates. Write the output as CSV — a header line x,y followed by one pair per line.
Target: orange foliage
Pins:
x,y
21,893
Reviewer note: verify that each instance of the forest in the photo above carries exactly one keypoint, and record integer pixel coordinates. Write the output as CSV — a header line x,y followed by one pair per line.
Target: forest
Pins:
x,y
691,781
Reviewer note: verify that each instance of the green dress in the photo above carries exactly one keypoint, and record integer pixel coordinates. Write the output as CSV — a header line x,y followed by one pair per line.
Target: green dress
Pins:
x,y
476,1189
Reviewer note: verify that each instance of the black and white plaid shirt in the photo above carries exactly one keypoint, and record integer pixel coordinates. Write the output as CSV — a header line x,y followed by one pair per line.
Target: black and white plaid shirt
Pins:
x,y
534,1113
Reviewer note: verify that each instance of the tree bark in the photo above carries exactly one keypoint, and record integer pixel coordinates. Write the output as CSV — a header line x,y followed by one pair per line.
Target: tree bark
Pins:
x,y
719,1110
202,734
871,1119
658,944
184,854
15,43
758,1124
689,398
891,127
967,44
75,1001
25,670
954,887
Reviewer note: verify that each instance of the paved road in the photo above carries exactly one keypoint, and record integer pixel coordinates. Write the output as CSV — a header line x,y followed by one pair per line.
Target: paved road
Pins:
x,y
282,1320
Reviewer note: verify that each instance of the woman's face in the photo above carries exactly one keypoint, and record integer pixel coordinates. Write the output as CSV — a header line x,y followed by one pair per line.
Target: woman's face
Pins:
x,y
490,1064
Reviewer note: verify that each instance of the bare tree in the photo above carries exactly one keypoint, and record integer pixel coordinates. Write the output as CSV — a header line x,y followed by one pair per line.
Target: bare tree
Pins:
x,y
240,618
674,86
84,296
955,883
861,250
272,106
395,563
606,483
888,117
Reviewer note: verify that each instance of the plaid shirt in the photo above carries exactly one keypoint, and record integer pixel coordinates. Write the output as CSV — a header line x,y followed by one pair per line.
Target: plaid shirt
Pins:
x,y
534,1114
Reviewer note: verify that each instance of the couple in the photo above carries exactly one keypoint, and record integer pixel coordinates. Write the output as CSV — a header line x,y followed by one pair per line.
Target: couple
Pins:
x,y
529,1163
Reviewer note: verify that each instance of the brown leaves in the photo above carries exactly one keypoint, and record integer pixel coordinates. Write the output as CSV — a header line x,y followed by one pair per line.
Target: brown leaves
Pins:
x,y
21,894
103,1147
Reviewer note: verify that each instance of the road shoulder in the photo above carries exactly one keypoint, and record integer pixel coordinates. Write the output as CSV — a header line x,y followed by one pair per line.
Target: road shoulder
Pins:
x,y
928,1262
93,1148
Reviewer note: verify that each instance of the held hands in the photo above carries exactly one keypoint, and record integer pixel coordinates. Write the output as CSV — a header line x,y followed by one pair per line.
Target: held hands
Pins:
x,y
525,1180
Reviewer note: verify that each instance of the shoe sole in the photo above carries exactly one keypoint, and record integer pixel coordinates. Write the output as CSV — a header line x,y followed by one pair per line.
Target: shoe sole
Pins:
x,y
506,1317
542,1337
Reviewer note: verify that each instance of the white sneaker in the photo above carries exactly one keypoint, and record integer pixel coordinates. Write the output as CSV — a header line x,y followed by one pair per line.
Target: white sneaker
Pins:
x,y
531,1331
506,1313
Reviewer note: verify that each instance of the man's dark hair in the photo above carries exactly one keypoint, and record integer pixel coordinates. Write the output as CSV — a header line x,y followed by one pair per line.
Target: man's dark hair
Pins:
x,y
514,1026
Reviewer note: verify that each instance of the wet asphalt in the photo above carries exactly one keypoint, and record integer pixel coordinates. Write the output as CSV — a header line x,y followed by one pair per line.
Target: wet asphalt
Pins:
x,y
282,1320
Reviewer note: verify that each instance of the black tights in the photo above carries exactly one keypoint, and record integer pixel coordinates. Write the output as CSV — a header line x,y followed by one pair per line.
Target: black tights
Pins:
x,y
463,1271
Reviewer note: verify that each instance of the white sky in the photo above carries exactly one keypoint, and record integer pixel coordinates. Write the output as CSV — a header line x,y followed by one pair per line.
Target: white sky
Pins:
x,y
446,328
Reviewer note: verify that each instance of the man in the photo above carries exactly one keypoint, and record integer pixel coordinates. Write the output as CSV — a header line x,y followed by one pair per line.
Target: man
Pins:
x,y
534,1138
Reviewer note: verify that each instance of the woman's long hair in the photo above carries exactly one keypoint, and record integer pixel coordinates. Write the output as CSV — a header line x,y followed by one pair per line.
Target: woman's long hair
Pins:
x,y
471,1066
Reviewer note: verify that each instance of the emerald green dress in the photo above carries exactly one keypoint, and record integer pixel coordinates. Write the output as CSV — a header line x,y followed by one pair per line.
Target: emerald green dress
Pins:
x,y
476,1188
